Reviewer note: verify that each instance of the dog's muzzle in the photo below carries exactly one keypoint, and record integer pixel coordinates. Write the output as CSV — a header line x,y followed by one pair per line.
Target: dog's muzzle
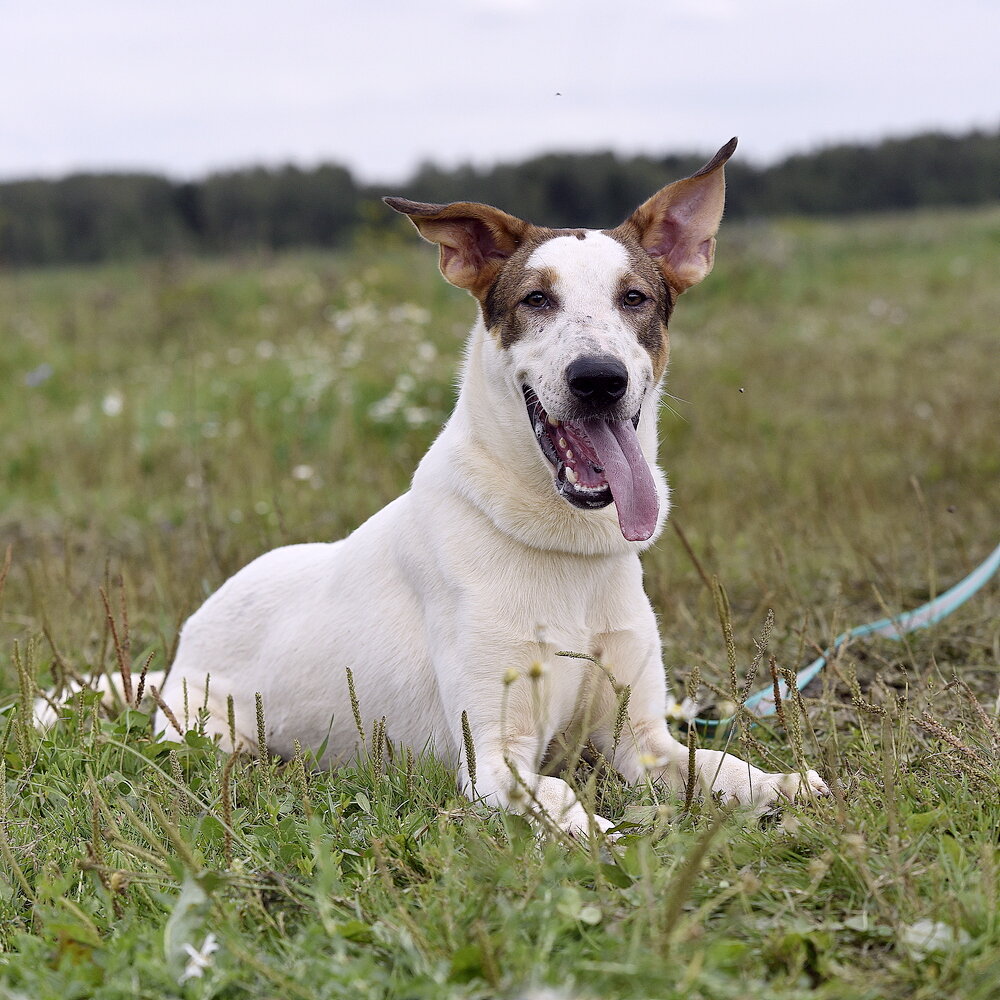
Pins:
x,y
598,461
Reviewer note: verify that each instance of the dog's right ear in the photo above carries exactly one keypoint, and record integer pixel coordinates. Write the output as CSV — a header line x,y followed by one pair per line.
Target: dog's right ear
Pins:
x,y
474,239
677,226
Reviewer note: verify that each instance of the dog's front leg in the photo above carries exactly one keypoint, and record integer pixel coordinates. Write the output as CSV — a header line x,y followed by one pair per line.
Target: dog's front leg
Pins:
x,y
652,752
513,713
647,750
508,776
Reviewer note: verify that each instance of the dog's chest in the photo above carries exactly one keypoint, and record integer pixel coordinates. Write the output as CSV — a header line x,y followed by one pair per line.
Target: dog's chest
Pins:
x,y
572,601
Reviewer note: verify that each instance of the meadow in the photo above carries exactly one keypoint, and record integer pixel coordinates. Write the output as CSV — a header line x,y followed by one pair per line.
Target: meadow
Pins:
x,y
832,443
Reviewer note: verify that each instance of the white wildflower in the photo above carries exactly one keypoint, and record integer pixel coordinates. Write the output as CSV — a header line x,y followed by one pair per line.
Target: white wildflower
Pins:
x,y
409,313
386,408
352,353
927,936
113,404
685,710
364,314
416,416
198,960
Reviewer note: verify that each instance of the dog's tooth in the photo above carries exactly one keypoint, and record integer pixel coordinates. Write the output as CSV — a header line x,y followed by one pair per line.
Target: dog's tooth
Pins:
x,y
569,454
552,421
562,442
571,475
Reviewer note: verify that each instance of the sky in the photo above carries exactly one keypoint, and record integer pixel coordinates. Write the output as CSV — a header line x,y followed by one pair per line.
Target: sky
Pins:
x,y
192,86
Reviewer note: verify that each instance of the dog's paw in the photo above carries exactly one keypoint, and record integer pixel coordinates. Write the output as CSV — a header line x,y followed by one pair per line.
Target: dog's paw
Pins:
x,y
762,791
793,786
733,780
580,825
554,805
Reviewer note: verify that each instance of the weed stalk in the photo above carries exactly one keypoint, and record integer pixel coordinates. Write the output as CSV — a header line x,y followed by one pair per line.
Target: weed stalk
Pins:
x,y
355,707
470,751
6,851
263,756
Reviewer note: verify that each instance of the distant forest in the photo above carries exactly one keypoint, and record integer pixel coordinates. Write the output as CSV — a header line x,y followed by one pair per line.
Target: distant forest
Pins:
x,y
92,217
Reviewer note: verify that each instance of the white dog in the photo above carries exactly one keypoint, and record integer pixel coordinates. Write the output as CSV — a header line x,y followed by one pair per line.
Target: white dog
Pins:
x,y
519,537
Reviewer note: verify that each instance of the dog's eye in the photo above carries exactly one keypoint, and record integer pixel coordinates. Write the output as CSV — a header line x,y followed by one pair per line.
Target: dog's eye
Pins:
x,y
632,298
536,300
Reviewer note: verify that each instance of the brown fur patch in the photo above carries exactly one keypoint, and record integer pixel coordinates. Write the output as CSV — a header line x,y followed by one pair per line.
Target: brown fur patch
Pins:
x,y
512,283
650,324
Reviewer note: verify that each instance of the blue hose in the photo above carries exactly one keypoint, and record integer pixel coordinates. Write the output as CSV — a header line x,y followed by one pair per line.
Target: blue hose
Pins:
x,y
762,703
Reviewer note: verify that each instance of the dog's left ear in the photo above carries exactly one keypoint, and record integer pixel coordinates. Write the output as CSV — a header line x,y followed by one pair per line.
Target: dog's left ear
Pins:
x,y
677,226
474,239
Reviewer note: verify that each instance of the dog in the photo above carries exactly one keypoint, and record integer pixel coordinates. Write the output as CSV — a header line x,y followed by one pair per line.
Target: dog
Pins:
x,y
518,539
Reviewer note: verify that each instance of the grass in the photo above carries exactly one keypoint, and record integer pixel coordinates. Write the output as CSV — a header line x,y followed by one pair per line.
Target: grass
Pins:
x,y
832,448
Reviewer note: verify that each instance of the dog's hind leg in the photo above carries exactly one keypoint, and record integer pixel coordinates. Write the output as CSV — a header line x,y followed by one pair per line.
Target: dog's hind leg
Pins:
x,y
109,687
202,703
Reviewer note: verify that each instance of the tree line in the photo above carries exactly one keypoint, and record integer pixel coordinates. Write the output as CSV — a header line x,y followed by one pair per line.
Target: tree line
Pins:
x,y
91,217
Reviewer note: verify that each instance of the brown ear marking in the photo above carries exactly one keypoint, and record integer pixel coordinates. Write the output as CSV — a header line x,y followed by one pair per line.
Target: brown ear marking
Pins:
x,y
677,226
718,160
407,207
475,239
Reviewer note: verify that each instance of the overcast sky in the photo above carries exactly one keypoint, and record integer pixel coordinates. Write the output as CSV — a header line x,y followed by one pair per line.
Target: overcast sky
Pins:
x,y
190,86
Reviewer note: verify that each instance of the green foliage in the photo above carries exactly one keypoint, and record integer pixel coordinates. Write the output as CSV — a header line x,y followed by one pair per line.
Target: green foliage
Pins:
x,y
832,448
87,218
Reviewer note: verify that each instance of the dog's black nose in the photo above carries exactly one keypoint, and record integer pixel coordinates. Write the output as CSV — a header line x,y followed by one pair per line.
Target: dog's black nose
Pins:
x,y
597,381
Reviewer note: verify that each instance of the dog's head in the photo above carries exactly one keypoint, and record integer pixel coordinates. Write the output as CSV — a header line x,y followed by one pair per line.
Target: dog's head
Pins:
x,y
582,318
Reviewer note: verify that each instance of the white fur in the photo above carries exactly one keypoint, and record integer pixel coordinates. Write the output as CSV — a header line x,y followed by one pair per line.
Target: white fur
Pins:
x,y
480,573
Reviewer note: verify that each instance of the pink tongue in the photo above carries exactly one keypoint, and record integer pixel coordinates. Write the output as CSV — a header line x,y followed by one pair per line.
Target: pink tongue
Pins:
x,y
628,476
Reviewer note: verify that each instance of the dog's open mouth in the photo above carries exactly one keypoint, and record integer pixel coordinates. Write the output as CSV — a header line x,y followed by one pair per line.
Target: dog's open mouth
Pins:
x,y
596,462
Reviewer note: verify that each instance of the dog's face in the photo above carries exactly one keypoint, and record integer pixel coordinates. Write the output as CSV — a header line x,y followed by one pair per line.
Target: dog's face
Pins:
x,y
581,318
582,321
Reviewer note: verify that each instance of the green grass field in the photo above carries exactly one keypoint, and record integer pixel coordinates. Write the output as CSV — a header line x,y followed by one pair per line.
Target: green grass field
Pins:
x,y
832,446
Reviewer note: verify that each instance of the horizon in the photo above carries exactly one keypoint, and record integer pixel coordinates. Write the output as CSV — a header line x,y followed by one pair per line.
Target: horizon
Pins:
x,y
279,165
